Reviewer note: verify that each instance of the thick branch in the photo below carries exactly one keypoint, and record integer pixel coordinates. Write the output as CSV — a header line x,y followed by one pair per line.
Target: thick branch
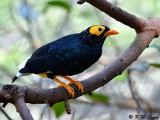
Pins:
x,y
118,14
146,29
15,94
22,109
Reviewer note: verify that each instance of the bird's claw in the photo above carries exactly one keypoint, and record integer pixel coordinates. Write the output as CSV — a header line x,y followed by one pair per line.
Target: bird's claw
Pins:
x,y
69,89
79,85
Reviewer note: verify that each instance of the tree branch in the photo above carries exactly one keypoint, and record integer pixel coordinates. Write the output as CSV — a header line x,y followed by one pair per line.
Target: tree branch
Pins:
x,y
118,14
7,116
133,93
124,103
146,31
22,109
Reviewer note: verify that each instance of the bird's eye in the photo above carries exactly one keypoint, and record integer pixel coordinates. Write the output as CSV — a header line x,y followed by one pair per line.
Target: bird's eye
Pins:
x,y
99,29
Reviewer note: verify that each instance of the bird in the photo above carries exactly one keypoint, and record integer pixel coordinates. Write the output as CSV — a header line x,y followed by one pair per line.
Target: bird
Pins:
x,y
66,56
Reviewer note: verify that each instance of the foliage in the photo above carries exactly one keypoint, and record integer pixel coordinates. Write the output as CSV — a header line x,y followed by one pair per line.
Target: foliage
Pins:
x,y
59,108
155,65
62,4
98,97
121,77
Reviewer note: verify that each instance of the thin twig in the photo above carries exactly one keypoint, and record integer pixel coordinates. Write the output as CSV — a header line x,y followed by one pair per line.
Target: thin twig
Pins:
x,y
134,96
7,116
121,103
68,110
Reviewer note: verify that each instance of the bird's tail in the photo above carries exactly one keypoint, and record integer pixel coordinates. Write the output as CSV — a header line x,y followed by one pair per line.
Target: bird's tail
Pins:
x,y
15,78
21,71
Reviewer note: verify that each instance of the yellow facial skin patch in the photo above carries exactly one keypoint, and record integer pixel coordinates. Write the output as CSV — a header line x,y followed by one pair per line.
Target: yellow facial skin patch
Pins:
x,y
97,30
43,75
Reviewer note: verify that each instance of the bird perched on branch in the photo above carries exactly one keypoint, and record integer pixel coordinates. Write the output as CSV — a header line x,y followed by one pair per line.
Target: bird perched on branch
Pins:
x,y
68,55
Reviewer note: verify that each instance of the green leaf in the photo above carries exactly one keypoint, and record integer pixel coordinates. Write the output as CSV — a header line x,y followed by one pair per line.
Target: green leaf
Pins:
x,y
121,77
59,108
155,65
62,4
98,97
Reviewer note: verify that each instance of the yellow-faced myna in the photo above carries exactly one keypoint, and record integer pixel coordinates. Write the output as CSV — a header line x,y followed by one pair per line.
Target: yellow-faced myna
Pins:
x,y
68,55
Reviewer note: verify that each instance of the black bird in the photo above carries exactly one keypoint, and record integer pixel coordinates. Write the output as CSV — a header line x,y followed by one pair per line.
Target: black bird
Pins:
x,y
69,55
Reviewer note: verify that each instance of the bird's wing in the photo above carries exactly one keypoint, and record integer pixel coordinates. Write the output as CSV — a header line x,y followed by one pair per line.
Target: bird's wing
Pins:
x,y
40,52
53,56
37,65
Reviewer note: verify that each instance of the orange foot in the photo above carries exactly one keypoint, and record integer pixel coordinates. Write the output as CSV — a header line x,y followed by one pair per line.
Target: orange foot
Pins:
x,y
62,84
79,85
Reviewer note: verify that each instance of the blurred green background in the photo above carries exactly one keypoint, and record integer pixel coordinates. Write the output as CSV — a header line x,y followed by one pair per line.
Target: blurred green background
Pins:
x,y
25,25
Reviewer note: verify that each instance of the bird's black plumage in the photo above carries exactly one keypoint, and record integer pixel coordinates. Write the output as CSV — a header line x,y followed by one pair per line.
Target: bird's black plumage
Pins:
x,y
68,55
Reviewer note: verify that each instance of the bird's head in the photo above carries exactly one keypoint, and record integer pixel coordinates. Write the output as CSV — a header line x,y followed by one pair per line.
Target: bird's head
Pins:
x,y
97,33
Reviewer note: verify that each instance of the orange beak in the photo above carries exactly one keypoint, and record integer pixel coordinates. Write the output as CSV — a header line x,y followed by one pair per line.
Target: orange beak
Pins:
x,y
111,32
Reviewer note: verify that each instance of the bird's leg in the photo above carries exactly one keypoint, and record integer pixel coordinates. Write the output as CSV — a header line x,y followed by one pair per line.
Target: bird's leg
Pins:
x,y
62,84
79,85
